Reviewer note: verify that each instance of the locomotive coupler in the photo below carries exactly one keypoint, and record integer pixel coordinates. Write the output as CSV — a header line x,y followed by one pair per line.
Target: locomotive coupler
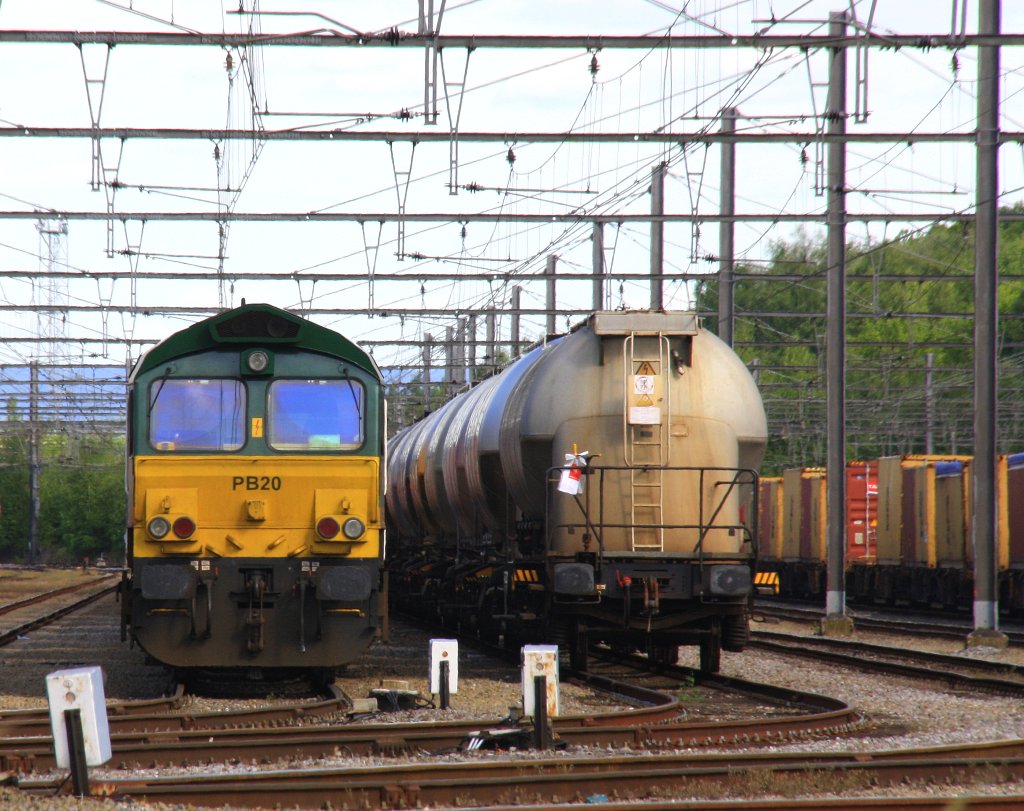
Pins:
x,y
652,596
257,588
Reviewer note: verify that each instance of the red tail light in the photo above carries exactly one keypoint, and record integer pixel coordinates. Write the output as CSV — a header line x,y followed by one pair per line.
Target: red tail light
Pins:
x,y
184,527
327,528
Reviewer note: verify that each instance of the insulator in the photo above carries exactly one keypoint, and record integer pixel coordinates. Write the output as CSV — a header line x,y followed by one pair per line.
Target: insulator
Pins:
x,y
510,157
463,232
594,65
228,62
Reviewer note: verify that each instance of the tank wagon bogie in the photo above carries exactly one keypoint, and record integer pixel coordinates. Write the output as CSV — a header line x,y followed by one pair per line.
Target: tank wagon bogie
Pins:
x,y
254,496
656,552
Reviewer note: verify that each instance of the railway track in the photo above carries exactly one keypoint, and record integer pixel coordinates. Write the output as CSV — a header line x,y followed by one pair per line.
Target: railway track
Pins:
x,y
958,672
927,625
565,780
52,594
10,633
220,737
624,753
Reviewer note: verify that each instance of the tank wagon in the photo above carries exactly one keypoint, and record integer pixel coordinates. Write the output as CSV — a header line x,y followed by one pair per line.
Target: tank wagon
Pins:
x,y
255,496
657,550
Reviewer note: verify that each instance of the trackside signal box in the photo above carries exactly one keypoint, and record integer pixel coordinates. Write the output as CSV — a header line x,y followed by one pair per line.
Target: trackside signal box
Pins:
x,y
540,660
79,689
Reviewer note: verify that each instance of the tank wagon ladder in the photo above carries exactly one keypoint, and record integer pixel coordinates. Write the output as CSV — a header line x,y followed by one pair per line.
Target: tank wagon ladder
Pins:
x,y
648,407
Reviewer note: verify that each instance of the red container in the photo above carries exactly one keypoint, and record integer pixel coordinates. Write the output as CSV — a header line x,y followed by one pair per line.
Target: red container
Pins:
x,y
861,510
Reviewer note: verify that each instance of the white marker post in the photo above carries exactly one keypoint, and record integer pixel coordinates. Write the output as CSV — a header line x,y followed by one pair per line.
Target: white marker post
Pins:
x,y
540,688
444,669
78,719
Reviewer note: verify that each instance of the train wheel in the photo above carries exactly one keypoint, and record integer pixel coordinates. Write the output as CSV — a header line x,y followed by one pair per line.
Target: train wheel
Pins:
x,y
736,632
711,654
578,649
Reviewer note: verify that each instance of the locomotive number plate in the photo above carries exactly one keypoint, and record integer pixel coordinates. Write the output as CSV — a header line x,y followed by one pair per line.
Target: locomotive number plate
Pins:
x,y
255,482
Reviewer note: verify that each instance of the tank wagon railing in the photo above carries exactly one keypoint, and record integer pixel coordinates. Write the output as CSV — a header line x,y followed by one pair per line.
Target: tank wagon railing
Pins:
x,y
706,519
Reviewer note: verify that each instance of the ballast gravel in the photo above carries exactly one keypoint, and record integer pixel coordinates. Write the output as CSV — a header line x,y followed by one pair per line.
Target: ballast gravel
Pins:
x,y
898,713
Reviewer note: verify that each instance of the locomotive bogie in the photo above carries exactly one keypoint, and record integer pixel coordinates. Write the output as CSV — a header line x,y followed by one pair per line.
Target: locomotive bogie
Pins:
x,y
280,614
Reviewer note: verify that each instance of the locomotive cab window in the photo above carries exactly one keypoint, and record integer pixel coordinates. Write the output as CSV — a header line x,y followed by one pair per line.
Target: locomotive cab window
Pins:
x,y
196,415
315,415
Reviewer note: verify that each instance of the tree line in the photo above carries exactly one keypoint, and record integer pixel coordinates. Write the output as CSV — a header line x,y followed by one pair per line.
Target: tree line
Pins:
x,y
909,357
81,497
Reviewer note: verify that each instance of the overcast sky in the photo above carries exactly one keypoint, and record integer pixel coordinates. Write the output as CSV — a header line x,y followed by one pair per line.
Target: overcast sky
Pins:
x,y
507,91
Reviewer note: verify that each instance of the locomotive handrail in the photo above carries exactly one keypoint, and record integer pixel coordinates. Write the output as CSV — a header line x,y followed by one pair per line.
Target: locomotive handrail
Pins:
x,y
739,476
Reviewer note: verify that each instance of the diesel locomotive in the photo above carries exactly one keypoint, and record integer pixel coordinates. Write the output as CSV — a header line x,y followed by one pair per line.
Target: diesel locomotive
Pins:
x,y
601,489
255,497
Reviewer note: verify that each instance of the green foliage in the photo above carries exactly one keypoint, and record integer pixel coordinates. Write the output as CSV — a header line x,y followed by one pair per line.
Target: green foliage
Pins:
x,y
13,498
82,500
909,360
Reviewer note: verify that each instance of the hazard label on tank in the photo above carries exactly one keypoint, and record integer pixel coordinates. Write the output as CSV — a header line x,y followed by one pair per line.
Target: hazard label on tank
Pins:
x,y
643,384
644,397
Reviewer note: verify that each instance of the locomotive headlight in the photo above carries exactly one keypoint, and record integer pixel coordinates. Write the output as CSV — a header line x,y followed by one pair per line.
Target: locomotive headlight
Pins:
x,y
257,362
158,527
327,528
353,528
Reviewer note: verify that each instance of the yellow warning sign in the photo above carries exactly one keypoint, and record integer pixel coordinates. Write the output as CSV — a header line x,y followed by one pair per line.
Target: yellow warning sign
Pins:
x,y
644,398
257,427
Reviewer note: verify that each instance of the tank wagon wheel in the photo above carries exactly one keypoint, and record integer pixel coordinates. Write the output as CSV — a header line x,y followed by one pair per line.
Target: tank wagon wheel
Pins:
x,y
711,654
579,644
736,633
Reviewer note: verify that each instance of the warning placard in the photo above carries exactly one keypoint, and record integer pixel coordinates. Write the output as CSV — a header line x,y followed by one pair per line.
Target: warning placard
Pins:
x,y
644,398
644,384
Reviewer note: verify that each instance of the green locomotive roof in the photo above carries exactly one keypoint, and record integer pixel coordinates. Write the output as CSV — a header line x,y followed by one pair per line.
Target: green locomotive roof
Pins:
x,y
259,324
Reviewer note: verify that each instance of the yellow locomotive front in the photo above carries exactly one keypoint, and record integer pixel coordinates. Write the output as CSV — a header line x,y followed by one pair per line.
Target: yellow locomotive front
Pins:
x,y
255,522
